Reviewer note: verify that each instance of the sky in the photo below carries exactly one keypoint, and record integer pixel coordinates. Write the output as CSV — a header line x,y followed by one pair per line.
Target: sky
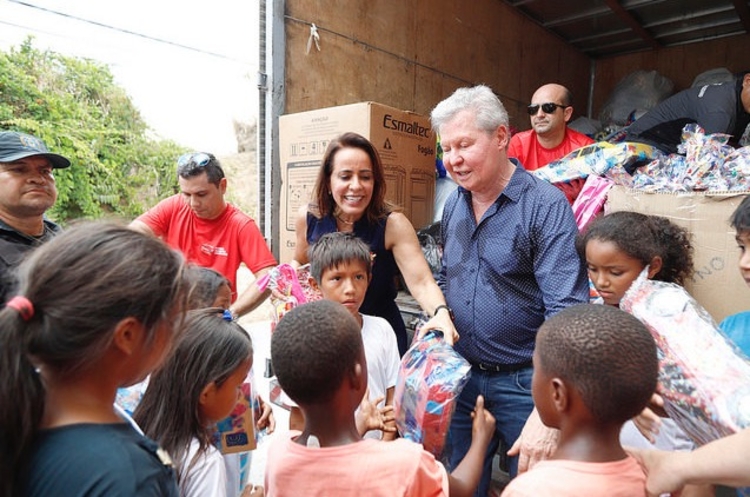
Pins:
x,y
189,86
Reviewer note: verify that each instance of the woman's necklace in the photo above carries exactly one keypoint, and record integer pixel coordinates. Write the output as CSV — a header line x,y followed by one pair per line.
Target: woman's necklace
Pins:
x,y
344,221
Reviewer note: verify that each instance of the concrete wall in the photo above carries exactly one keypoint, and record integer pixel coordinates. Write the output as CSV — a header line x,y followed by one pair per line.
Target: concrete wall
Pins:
x,y
411,54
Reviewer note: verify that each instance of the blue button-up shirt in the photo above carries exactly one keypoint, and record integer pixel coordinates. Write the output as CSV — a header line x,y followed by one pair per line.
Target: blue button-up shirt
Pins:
x,y
505,275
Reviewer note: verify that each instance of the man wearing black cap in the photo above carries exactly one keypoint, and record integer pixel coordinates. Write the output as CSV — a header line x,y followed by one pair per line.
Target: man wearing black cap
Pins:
x,y
27,190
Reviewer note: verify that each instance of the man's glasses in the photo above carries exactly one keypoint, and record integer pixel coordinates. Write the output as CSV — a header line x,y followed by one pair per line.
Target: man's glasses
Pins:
x,y
547,108
197,159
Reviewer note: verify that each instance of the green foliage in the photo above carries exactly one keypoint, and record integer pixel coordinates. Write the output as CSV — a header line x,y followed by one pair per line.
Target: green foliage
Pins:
x,y
75,106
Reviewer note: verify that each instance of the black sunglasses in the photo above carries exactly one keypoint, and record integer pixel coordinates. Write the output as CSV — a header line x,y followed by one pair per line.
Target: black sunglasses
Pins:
x,y
547,108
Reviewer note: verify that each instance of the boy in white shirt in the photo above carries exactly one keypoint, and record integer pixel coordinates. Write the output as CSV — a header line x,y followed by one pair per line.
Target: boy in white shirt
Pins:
x,y
341,268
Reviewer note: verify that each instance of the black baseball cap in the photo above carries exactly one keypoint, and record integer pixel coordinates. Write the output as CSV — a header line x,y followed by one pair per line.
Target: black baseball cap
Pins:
x,y
15,146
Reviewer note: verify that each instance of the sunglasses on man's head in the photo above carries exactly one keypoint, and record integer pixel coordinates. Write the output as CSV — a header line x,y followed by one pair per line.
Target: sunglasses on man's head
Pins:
x,y
198,159
547,108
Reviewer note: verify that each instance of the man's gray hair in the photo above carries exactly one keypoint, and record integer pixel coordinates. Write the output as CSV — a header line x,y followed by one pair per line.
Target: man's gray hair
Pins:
x,y
489,112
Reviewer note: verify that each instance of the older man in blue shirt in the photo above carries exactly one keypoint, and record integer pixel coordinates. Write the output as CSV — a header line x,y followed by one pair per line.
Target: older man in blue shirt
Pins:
x,y
509,262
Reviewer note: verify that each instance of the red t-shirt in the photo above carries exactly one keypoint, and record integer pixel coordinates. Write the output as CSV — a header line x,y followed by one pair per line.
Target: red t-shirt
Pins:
x,y
525,147
532,155
220,244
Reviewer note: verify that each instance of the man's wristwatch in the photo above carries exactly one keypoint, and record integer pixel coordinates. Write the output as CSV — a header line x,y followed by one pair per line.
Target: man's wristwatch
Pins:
x,y
444,306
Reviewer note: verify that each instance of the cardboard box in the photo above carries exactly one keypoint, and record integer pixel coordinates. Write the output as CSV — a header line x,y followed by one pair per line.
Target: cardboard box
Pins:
x,y
716,284
404,140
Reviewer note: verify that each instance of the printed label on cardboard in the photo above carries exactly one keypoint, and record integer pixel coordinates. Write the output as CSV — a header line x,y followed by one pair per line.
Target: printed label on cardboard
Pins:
x,y
301,178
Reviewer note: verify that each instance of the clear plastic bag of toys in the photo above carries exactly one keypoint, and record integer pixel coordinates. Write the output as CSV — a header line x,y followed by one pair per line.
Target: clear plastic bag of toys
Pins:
x,y
290,287
430,378
703,378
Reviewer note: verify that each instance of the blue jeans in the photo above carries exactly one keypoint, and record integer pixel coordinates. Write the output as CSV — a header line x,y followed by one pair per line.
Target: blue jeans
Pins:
x,y
508,397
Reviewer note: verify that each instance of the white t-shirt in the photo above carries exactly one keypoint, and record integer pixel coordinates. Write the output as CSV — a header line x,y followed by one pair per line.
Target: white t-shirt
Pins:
x,y
381,352
207,477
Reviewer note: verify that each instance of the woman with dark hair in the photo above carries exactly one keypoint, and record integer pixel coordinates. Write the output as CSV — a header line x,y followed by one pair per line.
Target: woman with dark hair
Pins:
x,y
349,195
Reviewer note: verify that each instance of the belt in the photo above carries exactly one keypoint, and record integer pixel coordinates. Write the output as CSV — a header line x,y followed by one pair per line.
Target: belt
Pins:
x,y
501,368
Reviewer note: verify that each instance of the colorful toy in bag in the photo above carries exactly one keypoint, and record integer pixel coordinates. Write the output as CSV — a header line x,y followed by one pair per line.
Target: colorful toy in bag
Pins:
x,y
709,164
128,398
704,155
236,433
598,158
590,202
290,288
737,167
704,379
430,378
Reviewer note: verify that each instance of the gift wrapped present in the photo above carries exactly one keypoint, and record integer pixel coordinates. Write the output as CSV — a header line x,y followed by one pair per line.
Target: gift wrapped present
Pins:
x,y
703,378
430,378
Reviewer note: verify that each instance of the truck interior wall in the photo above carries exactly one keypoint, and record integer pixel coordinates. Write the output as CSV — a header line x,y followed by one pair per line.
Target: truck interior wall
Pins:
x,y
413,53
681,64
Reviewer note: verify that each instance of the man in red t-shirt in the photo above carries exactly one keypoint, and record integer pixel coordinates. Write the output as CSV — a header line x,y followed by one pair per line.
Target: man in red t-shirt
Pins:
x,y
209,231
550,138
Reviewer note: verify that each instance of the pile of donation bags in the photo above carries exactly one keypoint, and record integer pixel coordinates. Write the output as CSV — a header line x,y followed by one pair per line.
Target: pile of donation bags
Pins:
x,y
708,164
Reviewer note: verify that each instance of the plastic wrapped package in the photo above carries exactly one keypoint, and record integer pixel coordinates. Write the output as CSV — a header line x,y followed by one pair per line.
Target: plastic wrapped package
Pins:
x,y
128,398
430,378
431,249
704,155
278,397
290,288
636,93
709,164
590,202
715,76
703,378
598,158
737,170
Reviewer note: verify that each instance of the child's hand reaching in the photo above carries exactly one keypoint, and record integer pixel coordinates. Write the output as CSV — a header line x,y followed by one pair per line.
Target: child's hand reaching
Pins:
x,y
266,419
483,424
371,417
648,421
253,491
463,480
